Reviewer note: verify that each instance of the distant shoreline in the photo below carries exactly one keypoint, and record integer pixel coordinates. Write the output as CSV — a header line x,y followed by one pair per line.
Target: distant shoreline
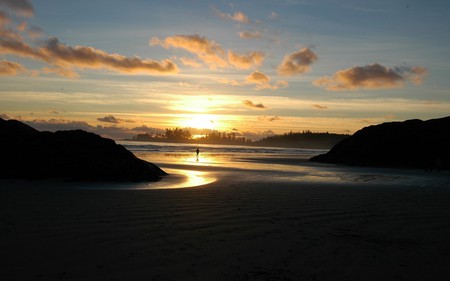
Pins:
x,y
253,144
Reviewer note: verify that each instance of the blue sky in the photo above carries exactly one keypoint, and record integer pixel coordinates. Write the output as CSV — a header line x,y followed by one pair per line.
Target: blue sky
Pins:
x,y
252,67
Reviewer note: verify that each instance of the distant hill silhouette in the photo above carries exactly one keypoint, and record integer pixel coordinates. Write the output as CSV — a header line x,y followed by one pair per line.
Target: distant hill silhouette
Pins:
x,y
77,155
412,144
305,139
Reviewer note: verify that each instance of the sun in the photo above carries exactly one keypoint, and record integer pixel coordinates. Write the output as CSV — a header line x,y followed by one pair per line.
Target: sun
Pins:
x,y
200,121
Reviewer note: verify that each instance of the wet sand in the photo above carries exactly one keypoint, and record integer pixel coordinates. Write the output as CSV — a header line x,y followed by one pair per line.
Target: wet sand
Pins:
x,y
235,228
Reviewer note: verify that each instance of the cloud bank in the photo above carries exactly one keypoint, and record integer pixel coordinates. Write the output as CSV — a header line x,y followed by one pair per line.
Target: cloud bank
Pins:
x,y
373,76
209,51
297,62
58,54
63,58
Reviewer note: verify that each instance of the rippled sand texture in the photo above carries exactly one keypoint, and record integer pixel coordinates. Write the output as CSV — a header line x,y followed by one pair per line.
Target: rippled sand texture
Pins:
x,y
226,231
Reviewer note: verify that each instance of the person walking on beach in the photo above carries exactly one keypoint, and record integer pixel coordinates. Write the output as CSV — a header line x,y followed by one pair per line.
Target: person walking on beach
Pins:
x,y
198,152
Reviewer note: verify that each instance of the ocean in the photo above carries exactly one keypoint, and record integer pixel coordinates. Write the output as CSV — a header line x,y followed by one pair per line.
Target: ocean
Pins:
x,y
170,151
216,163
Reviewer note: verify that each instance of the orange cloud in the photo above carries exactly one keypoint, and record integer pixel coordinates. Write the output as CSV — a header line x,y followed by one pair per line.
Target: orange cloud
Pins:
x,y
245,61
237,16
190,62
63,72
8,68
81,56
6,32
262,81
297,63
55,53
15,46
251,105
373,76
257,77
22,7
416,74
210,52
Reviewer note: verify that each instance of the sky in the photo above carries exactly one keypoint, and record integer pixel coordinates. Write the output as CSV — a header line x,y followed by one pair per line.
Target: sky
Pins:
x,y
254,67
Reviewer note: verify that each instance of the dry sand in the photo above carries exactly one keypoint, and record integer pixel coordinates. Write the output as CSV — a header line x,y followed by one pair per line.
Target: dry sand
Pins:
x,y
232,229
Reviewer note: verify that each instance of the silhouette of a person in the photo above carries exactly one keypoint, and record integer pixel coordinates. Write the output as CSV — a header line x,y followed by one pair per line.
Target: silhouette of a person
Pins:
x,y
198,151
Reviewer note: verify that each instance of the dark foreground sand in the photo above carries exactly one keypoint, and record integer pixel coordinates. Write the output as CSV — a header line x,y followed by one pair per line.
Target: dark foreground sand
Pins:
x,y
228,230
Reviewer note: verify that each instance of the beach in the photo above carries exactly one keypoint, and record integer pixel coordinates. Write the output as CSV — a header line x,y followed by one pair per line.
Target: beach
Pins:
x,y
269,216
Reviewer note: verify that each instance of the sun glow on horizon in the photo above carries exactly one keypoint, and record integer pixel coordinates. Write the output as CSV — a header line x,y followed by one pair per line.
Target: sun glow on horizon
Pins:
x,y
200,121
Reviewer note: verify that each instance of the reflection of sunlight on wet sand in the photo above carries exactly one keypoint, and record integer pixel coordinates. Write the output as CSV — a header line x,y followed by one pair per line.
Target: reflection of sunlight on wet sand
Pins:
x,y
180,178
195,178
203,160
206,159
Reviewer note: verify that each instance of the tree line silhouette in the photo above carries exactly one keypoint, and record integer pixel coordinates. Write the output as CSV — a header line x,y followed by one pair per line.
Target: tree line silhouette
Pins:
x,y
305,139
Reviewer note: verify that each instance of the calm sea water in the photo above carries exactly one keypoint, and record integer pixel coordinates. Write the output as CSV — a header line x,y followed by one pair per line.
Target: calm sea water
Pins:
x,y
167,152
267,164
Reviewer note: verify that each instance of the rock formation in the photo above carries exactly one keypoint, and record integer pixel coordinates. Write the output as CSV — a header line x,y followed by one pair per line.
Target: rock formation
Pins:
x,y
26,153
408,144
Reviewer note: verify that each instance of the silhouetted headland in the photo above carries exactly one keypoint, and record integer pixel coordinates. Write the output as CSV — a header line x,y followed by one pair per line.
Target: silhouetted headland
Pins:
x,y
76,155
409,144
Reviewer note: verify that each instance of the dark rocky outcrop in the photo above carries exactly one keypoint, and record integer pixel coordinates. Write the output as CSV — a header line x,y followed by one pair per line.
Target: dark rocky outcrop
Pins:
x,y
26,153
409,144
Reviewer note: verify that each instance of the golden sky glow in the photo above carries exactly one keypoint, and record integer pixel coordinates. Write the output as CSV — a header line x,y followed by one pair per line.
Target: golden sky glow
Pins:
x,y
253,68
